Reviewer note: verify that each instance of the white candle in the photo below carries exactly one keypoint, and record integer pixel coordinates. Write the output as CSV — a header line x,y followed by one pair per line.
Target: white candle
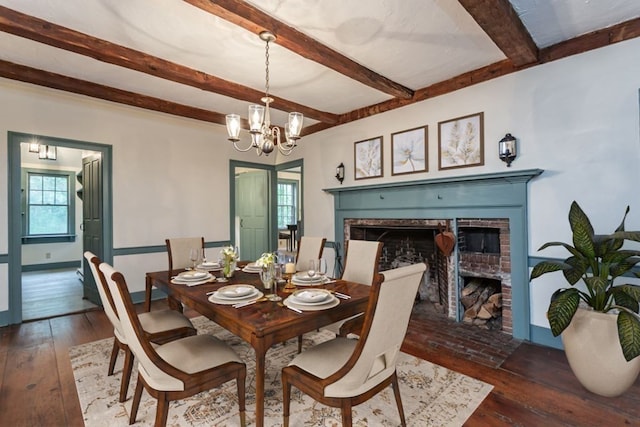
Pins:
x,y
289,268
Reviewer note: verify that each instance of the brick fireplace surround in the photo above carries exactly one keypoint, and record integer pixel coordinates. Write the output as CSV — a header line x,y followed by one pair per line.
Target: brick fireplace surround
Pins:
x,y
497,200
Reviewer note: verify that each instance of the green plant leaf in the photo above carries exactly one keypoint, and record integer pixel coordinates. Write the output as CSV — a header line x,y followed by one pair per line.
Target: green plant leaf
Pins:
x,y
617,242
564,303
568,247
578,268
625,297
582,231
547,267
621,268
629,334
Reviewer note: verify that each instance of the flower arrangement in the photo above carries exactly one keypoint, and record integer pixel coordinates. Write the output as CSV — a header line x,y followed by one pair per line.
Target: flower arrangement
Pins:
x,y
266,259
229,256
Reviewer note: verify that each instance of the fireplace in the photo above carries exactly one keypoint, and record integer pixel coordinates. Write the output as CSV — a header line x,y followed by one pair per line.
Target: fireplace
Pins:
x,y
482,257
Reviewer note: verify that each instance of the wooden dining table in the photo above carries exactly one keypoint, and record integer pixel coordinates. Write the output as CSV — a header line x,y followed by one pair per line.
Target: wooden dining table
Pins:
x,y
263,323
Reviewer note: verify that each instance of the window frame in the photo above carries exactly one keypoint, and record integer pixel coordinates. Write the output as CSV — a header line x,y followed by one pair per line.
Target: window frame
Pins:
x,y
296,202
70,236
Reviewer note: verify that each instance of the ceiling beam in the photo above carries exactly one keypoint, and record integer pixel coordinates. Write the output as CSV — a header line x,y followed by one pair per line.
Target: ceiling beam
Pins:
x,y
254,20
26,74
502,24
42,31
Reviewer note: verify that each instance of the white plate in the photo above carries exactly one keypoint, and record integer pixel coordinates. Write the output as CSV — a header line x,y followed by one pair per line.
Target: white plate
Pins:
x,y
311,296
321,282
251,270
332,302
304,277
236,291
210,266
192,275
215,298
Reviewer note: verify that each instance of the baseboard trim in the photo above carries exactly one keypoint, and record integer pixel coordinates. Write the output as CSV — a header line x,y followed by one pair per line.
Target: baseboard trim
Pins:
x,y
543,336
51,266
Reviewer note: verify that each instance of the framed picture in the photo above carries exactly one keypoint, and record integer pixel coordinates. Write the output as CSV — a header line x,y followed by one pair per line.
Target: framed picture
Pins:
x,y
409,151
461,142
368,158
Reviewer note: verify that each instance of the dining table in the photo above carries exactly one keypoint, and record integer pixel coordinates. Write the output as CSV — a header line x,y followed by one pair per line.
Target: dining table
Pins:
x,y
264,323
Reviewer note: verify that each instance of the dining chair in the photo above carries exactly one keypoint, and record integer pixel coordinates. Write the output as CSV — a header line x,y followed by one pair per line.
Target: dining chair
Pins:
x,y
159,326
309,248
362,259
344,372
178,250
177,369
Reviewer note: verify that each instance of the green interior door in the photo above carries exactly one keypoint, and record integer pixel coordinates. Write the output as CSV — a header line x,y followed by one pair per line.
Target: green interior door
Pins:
x,y
252,210
91,220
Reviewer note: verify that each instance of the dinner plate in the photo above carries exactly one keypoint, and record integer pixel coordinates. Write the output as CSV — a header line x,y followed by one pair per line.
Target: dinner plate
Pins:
x,y
192,276
236,291
248,269
304,277
216,299
323,280
210,266
311,296
331,302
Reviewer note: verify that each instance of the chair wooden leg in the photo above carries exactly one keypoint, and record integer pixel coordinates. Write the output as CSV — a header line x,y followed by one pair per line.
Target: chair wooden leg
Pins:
x,y
162,410
347,420
299,344
396,392
147,297
286,399
114,356
240,380
126,373
137,395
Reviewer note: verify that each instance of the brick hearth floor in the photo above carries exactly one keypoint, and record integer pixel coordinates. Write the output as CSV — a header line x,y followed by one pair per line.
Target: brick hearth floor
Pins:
x,y
489,348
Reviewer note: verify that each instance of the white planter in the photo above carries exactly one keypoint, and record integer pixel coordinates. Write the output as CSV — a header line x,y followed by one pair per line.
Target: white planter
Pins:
x,y
593,349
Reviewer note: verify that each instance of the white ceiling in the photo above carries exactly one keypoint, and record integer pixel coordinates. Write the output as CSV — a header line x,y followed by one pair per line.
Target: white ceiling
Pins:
x,y
415,43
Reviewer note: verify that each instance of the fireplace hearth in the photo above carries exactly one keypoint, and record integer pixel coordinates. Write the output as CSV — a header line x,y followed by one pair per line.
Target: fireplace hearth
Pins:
x,y
481,256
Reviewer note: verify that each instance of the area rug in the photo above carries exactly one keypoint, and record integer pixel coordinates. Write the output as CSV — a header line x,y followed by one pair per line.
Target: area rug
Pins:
x,y
431,395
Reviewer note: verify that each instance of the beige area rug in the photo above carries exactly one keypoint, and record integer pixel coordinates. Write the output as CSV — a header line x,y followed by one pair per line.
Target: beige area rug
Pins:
x,y
431,395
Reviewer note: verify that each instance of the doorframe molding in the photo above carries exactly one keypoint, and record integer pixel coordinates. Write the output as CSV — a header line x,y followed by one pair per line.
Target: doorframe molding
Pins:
x,y
14,208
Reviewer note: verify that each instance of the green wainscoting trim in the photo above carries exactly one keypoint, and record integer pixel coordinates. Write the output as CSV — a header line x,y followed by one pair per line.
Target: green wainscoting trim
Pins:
x,y
140,250
543,336
493,195
4,258
5,316
51,266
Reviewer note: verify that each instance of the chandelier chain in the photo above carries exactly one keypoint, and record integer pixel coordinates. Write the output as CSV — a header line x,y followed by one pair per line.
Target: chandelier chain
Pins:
x,y
266,63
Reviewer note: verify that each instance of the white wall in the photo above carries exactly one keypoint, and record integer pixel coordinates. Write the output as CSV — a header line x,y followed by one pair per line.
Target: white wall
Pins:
x,y
576,118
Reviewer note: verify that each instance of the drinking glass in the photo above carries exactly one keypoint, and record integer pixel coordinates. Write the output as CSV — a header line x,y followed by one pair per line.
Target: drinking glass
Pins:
x,y
204,256
322,266
277,280
266,275
313,267
194,254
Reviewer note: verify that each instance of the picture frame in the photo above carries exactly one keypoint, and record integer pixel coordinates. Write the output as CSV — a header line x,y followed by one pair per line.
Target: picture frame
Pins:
x,y
461,142
367,158
409,152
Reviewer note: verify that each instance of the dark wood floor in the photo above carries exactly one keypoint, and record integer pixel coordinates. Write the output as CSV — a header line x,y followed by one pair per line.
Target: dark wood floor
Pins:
x,y
533,385
52,293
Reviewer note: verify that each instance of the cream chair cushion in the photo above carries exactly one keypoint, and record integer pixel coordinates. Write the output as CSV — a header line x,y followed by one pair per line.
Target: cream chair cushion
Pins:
x,y
308,249
381,344
181,249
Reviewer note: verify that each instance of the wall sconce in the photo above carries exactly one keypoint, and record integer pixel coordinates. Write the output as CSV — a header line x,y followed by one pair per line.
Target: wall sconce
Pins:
x,y
340,172
507,149
48,152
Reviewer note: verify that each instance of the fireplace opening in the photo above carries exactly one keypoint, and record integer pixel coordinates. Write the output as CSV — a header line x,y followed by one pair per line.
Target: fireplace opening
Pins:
x,y
481,300
478,239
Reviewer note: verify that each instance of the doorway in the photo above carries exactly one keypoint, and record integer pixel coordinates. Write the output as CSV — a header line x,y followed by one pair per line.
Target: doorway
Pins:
x,y
243,199
23,244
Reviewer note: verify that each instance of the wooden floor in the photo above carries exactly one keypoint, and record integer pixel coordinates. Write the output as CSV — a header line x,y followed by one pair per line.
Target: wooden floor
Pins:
x,y
52,293
533,385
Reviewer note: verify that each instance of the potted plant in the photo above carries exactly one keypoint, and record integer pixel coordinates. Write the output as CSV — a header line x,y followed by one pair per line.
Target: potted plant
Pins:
x,y
597,317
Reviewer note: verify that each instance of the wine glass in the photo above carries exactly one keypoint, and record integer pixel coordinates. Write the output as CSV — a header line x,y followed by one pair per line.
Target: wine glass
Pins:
x,y
194,254
322,266
313,267
277,279
204,256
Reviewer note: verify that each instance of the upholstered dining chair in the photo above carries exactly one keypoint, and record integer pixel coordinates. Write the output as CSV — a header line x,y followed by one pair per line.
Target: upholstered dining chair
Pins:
x,y
344,372
159,326
177,369
178,250
361,263
309,248
362,258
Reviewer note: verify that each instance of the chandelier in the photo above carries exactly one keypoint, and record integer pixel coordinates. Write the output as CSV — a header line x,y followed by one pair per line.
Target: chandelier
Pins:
x,y
265,138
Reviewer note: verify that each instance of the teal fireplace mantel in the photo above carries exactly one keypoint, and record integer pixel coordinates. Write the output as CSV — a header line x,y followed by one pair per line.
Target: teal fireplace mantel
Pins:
x,y
493,195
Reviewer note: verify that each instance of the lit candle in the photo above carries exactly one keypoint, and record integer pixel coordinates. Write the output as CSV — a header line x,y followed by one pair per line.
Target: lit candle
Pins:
x,y
289,268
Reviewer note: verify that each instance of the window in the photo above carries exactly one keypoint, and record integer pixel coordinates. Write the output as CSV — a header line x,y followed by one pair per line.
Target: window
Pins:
x,y
287,203
49,206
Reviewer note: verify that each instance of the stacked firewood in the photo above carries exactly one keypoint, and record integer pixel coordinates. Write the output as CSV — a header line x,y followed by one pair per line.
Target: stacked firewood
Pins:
x,y
482,302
